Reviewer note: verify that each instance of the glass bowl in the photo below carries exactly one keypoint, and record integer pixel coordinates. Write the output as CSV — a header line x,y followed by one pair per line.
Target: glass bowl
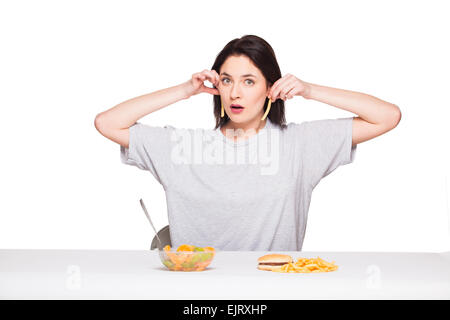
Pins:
x,y
196,260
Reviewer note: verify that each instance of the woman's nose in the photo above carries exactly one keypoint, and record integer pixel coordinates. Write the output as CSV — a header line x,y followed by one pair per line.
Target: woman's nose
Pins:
x,y
235,92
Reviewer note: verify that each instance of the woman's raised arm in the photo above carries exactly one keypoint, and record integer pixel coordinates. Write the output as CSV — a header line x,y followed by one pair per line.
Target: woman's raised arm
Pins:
x,y
115,122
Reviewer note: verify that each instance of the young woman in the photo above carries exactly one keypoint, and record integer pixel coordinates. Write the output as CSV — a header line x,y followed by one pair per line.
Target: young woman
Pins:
x,y
259,201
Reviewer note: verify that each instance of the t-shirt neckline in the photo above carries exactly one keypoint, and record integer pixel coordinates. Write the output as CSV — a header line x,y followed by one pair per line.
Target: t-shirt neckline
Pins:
x,y
245,142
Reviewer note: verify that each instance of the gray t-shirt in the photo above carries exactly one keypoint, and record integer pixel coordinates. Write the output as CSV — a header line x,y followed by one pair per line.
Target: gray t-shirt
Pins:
x,y
253,194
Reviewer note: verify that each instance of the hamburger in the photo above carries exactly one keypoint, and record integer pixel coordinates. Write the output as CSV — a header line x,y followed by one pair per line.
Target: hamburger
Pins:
x,y
270,261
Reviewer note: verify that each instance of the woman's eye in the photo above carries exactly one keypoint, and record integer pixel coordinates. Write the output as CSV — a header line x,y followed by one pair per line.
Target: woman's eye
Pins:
x,y
250,81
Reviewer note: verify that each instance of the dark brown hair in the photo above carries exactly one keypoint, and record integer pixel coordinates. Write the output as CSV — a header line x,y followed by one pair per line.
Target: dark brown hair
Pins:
x,y
262,55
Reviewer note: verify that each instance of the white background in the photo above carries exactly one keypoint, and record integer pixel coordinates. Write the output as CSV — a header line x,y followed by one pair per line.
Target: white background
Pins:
x,y
63,62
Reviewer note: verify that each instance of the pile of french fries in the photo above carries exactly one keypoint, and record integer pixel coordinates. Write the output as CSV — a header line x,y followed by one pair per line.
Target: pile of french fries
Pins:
x,y
305,265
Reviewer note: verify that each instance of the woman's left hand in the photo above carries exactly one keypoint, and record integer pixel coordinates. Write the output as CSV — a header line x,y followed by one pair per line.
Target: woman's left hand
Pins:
x,y
287,87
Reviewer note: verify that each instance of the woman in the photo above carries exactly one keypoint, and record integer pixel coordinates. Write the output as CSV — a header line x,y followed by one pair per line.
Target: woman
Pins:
x,y
260,201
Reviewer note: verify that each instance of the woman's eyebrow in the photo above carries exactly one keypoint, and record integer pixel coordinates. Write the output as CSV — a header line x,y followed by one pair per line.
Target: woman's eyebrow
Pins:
x,y
244,75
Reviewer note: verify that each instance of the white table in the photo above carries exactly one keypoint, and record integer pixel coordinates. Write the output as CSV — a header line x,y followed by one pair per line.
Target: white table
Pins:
x,y
116,274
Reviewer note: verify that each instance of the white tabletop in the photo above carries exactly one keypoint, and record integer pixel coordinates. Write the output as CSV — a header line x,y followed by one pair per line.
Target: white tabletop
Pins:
x,y
120,274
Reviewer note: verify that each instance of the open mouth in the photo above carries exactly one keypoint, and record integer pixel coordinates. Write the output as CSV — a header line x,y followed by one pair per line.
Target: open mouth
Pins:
x,y
236,108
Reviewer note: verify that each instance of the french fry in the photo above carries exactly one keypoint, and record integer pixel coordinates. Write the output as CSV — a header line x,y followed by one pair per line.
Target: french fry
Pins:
x,y
305,265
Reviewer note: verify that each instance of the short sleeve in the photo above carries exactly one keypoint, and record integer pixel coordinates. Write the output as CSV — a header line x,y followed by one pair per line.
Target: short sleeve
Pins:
x,y
327,145
149,148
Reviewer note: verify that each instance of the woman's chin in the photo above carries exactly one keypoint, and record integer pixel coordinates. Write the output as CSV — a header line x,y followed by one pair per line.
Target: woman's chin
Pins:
x,y
240,118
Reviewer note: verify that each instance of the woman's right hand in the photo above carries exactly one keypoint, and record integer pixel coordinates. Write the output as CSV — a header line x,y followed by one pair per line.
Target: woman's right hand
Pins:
x,y
196,84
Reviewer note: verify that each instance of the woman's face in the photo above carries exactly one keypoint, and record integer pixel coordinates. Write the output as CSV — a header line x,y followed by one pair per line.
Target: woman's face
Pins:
x,y
242,83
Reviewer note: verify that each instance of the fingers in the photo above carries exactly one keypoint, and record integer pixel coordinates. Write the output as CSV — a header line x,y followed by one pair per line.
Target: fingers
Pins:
x,y
200,77
290,94
211,90
216,77
280,88
275,89
211,76
288,91
207,75
283,88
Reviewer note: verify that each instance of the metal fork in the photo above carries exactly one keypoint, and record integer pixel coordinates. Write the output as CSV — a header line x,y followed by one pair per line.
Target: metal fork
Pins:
x,y
151,223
